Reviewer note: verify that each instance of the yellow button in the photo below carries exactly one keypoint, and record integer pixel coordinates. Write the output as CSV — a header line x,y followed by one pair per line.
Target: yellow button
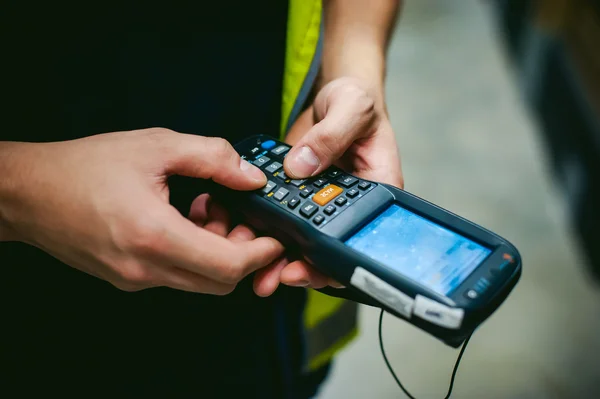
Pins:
x,y
327,194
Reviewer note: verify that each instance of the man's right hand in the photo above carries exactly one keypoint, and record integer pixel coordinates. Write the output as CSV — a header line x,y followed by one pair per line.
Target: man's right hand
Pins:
x,y
101,205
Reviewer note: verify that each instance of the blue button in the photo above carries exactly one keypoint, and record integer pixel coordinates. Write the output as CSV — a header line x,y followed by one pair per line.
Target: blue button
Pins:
x,y
267,145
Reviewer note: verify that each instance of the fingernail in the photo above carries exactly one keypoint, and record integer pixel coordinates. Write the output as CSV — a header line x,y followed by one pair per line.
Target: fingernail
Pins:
x,y
303,162
300,283
252,171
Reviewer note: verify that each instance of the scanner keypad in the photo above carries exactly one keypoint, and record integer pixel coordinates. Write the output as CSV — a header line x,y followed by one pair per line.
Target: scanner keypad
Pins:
x,y
318,199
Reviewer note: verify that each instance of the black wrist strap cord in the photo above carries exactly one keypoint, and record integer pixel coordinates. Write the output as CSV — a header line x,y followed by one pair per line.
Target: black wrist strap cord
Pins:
x,y
389,366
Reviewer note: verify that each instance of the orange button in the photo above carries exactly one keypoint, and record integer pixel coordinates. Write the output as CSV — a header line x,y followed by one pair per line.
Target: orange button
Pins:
x,y
327,194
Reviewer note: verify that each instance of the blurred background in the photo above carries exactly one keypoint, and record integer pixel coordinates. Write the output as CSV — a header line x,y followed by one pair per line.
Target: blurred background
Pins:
x,y
496,106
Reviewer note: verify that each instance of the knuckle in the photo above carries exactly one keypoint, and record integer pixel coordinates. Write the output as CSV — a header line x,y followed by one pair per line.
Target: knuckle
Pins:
x,y
222,155
158,135
356,96
232,274
145,237
361,100
365,104
133,273
327,143
340,86
159,131
126,286
224,289
221,147
233,271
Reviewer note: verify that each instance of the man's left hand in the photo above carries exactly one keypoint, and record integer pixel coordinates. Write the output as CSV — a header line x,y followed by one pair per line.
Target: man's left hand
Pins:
x,y
347,125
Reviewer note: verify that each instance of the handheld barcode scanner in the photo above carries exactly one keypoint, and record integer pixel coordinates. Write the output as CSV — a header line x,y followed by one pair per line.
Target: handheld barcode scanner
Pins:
x,y
418,261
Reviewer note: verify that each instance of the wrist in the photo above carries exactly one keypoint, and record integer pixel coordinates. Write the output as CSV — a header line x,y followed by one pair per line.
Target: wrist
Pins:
x,y
375,90
363,61
355,54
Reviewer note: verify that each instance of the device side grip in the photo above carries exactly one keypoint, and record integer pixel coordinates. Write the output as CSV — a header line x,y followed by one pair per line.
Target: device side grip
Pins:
x,y
266,217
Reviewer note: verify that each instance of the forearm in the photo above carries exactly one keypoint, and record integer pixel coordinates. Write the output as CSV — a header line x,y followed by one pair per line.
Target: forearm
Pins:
x,y
357,33
11,167
347,120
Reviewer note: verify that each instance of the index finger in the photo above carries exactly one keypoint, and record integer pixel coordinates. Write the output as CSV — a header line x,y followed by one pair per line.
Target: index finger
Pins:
x,y
192,248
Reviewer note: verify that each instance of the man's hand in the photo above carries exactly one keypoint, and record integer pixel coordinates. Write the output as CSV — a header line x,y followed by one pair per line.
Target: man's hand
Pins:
x,y
100,204
347,125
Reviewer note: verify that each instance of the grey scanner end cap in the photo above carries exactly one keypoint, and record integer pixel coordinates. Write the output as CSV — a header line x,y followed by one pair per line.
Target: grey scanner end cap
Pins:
x,y
438,313
375,287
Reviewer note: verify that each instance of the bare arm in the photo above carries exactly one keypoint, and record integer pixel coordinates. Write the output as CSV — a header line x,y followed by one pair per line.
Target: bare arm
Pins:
x,y
8,170
100,204
347,122
357,33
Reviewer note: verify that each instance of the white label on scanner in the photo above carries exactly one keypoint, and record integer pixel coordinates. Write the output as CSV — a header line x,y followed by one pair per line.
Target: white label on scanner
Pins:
x,y
382,291
438,313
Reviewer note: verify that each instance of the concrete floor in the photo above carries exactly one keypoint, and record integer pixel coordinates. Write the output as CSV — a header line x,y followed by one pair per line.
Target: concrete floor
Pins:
x,y
469,145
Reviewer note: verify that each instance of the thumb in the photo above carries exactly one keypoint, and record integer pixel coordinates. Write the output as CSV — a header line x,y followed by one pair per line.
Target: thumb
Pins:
x,y
347,118
211,158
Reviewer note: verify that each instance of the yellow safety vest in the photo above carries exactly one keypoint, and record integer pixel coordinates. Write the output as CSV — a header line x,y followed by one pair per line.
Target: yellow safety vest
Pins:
x,y
330,322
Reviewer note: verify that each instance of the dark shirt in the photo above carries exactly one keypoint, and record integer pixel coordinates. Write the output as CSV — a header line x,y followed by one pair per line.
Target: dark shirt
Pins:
x,y
73,69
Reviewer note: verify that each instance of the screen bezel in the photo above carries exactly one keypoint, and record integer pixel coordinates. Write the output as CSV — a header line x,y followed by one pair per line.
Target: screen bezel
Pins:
x,y
488,249
456,224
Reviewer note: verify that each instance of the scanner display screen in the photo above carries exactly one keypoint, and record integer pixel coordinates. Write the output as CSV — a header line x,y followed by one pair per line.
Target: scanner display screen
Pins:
x,y
423,251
